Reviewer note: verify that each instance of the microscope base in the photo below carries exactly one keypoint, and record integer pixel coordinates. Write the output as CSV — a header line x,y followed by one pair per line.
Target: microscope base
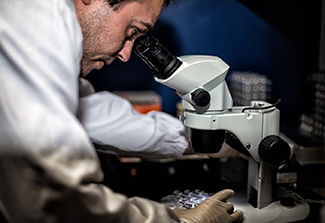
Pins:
x,y
274,212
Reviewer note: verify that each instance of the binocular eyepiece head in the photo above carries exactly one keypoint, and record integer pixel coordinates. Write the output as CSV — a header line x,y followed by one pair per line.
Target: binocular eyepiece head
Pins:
x,y
162,63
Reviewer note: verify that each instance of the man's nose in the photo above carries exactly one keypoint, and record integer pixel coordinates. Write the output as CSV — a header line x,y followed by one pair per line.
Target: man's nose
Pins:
x,y
125,53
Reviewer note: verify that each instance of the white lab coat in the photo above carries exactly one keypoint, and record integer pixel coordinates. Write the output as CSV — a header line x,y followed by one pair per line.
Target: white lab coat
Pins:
x,y
49,170
115,127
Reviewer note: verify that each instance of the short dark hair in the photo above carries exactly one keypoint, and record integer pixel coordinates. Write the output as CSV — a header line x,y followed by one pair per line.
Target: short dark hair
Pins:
x,y
117,3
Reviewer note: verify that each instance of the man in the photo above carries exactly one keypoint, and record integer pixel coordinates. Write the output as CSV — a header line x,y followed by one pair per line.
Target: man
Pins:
x,y
49,171
110,33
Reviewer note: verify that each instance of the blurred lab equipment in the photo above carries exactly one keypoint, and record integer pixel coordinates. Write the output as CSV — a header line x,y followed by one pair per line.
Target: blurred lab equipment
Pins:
x,y
313,122
249,86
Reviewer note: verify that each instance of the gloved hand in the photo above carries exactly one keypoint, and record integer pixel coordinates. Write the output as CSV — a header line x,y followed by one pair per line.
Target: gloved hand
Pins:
x,y
214,209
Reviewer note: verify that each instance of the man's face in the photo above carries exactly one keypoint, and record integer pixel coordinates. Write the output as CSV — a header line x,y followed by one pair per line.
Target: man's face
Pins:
x,y
109,33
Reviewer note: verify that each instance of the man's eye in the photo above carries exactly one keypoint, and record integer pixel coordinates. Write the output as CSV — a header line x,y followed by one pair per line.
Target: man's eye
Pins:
x,y
134,34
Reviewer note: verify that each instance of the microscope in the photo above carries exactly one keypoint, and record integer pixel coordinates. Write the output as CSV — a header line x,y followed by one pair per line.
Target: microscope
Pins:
x,y
253,130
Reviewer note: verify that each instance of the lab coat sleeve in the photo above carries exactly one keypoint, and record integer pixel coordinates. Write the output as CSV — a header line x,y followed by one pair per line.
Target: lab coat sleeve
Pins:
x,y
49,170
115,127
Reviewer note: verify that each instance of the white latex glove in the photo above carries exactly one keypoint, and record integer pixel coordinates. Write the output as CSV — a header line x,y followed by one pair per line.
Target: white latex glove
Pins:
x,y
215,209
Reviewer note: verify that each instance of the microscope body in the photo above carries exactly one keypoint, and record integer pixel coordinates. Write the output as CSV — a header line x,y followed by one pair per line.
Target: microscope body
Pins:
x,y
250,126
206,74
209,112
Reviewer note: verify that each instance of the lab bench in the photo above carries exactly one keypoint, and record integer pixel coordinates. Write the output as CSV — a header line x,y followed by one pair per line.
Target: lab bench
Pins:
x,y
157,178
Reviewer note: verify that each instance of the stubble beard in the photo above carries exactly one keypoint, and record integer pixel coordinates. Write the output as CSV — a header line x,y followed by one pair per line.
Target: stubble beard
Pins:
x,y
92,28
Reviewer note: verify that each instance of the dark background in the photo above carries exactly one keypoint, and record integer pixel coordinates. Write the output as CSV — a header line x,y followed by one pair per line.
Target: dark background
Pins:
x,y
278,38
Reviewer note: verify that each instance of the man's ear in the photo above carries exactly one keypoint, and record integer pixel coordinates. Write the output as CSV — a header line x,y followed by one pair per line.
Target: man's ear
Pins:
x,y
87,2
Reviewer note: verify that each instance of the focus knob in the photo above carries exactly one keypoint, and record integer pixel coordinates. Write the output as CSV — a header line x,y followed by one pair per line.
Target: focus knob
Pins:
x,y
274,150
201,97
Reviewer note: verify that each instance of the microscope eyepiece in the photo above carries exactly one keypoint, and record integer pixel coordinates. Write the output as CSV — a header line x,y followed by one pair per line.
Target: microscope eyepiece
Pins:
x,y
162,63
